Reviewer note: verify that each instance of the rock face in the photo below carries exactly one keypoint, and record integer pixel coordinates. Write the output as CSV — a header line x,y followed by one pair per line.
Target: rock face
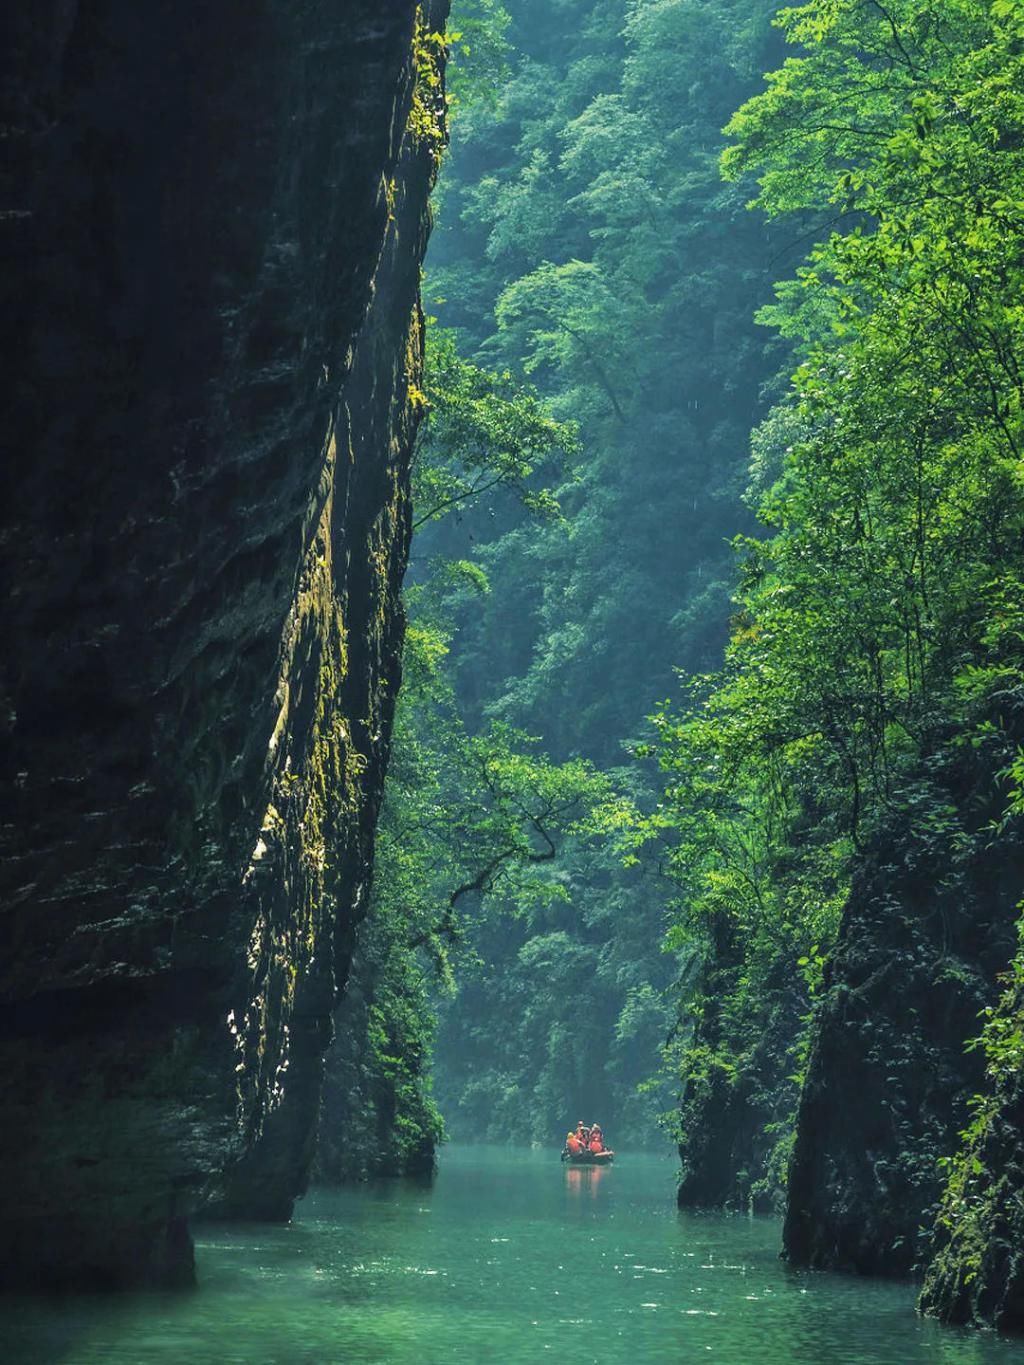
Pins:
x,y
378,1117
729,1121
214,218
928,929
976,1275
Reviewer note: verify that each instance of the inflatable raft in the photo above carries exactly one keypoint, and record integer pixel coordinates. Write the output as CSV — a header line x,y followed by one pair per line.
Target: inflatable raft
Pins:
x,y
589,1158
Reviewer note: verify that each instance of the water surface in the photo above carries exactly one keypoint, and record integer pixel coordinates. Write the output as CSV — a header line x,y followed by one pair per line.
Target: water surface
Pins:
x,y
507,1258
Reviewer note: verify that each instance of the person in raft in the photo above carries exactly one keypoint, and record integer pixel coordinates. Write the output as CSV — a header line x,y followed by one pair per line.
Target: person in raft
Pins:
x,y
576,1141
583,1140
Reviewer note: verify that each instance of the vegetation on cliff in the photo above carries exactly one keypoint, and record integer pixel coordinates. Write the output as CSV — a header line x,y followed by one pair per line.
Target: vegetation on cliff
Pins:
x,y
975,1273
471,823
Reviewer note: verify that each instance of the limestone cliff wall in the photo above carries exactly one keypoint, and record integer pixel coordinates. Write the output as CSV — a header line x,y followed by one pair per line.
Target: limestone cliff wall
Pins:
x,y
213,221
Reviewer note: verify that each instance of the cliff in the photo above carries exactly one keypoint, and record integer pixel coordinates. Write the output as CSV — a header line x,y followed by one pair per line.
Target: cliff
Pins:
x,y
738,1088
928,929
378,1117
214,219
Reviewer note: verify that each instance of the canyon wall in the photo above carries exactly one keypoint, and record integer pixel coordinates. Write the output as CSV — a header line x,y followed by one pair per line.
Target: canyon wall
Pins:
x,y
929,927
213,220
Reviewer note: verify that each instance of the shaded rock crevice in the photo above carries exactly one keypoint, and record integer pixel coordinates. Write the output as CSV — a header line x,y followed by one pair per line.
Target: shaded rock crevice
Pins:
x,y
214,220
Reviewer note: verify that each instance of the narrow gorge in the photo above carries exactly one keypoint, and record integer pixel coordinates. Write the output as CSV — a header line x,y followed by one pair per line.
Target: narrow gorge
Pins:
x,y
512,581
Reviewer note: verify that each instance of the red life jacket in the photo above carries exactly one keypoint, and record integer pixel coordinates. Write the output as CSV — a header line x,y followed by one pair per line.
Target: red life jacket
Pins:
x,y
596,1145
574,1145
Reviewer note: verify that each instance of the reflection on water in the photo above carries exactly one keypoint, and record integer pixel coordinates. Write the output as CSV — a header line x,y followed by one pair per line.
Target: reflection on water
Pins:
x,y
508,1257
584,1182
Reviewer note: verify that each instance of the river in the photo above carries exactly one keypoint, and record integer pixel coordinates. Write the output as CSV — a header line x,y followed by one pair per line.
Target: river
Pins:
x,y
509,1258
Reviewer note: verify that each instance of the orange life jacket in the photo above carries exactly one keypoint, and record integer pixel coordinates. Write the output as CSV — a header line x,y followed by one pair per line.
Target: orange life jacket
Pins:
x,y
574,1144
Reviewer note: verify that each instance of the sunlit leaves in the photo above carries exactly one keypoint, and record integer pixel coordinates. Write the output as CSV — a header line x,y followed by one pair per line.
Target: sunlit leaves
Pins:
x,y
482,431
477,52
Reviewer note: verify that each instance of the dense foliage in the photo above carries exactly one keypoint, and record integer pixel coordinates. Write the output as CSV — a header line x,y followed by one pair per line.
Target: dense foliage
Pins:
x,y
877,628
585,239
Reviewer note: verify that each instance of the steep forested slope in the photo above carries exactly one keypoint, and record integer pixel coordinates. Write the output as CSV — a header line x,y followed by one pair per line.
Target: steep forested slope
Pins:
x,y
848,833
472,823
586,239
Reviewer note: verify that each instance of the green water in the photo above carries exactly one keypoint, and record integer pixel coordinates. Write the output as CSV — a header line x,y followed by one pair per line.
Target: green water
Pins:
x,y
506,1258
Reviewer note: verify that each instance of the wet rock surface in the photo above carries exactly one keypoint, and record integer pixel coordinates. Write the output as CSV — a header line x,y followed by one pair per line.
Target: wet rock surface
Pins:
x,y
213,222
